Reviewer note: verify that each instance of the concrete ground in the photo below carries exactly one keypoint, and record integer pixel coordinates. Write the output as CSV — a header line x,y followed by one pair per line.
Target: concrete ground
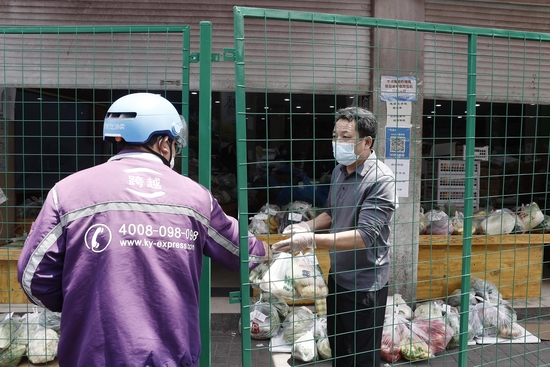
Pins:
x,y
226,338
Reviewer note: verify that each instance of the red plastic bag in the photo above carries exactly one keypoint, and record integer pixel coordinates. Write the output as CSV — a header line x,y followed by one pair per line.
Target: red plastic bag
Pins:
x,y
435,332
396,330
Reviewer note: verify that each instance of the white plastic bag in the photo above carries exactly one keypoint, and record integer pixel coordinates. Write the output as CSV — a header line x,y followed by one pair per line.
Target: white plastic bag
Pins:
x,y
530,215
501,221
305,348
276,280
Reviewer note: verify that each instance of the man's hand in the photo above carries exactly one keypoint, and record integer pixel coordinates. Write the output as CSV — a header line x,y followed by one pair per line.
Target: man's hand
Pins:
x,y
268,253
296,228
297,243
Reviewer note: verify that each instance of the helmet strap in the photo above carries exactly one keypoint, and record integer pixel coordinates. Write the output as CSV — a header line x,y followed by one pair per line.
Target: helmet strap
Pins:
x,y
164,160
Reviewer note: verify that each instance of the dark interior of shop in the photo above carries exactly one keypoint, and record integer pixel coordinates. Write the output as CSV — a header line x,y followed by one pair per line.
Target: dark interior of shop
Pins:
x,y
49,145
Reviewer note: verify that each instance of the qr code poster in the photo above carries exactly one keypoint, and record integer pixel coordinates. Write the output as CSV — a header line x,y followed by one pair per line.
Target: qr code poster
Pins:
x,y
398,142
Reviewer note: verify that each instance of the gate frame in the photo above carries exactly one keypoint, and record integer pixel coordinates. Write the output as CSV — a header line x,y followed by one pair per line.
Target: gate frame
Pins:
x,y
472,34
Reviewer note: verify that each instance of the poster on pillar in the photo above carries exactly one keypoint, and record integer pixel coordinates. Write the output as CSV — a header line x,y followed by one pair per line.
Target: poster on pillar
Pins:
x,y
398,88
398,114
398,147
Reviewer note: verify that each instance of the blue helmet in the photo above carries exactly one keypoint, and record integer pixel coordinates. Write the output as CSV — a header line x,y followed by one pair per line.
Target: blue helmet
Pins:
x,y
137,117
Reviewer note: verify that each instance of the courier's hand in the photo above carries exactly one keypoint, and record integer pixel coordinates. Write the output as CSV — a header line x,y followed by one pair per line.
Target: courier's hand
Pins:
x,y
268,254
296,228
298,242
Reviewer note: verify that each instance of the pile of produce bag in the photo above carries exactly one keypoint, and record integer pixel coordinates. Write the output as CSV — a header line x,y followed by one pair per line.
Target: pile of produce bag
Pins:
x,y
434,326
525,218
421,337
306,333
489,314
34,335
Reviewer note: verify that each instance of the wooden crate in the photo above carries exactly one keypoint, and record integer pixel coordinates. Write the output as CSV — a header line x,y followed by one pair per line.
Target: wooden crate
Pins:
x,y
512,262
322,257
10,290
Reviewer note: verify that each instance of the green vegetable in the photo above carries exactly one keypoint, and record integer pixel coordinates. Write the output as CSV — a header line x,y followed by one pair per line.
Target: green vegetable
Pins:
x,y
415,351
43,346
13,355
323,348
297,323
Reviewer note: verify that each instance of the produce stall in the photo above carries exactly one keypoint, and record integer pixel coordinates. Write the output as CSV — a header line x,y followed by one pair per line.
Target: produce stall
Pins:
x,y
512,261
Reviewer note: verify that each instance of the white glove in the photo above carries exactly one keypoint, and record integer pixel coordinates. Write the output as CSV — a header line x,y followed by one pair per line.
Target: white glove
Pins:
x,y
296,228
297,243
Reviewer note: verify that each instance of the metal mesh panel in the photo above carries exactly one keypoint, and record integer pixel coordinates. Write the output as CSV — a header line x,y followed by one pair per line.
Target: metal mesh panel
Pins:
x,y
464,135
58,83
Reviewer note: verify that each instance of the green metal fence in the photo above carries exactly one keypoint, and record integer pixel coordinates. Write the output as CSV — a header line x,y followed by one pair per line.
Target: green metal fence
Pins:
x,y
463,122
57,84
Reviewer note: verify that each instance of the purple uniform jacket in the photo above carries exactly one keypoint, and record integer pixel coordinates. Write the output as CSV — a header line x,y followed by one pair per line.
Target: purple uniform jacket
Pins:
x,y
118,249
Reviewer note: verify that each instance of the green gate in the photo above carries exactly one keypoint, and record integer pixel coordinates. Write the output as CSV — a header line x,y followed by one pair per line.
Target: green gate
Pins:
x,y
463,122
58,83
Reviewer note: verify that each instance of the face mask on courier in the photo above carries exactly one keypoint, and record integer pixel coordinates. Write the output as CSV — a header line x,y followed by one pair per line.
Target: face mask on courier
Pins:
x,y
344,153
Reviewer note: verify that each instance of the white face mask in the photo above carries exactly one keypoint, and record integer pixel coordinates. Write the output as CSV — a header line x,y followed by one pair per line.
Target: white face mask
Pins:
x,y
344,153
172,162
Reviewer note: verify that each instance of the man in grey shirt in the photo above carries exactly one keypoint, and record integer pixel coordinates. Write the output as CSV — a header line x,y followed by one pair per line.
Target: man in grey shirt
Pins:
x,y
360,207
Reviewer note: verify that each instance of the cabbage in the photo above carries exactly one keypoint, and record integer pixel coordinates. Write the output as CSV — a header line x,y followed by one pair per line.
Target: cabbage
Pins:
x,y
297,323
323,348
274,301
8,329
13,355
43,345
305,348
428,310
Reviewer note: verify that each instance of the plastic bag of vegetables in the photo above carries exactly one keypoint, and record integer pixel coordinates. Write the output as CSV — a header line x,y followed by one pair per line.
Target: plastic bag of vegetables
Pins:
x,y
428,310
264,321
304,348
308,280
276,280
295,212
498,320
13,354
275,301
439,334
396,304
438,223
396,332
427,338
297,323
307,276
50,319
500,221
458,224
8,329
320,333
257,274
29,323
265,221
530,215
42,346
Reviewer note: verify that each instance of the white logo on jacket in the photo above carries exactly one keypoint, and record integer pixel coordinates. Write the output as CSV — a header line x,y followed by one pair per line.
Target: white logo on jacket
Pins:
x,y
98,237
140,178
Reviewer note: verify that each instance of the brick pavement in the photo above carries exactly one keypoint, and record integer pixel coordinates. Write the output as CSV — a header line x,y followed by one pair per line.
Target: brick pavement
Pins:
x,y
226,352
